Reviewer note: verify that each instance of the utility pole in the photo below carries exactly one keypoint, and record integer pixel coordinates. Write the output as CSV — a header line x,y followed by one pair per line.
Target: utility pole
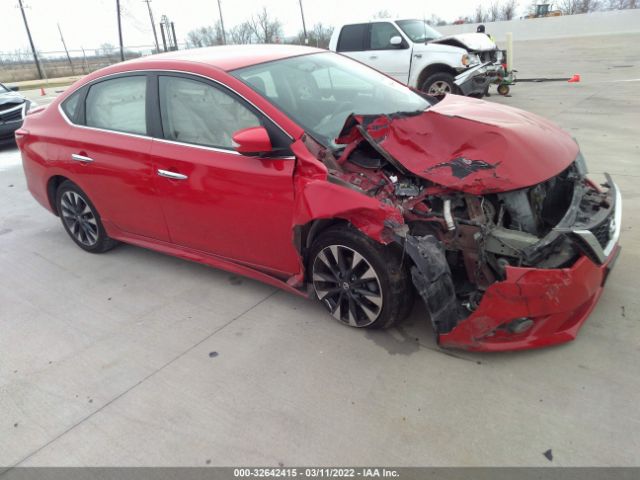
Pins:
x,y
153,25
224,35
304,26
65,50
120,31
33,49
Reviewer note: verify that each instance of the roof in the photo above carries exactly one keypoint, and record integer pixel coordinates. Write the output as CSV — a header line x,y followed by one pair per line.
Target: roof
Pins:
x,y
230,57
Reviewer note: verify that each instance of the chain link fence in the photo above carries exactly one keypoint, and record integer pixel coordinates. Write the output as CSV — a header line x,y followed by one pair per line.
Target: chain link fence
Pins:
x,y
20,65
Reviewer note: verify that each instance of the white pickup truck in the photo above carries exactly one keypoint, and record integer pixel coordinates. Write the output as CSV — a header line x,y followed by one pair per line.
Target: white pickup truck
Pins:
x,y
414,53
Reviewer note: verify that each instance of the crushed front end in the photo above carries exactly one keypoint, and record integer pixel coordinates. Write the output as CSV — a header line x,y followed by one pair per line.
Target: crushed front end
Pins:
x,y
498,268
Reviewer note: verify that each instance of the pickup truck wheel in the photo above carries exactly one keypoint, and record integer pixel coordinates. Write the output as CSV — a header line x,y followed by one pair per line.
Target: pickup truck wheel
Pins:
x,y
361,282
439,84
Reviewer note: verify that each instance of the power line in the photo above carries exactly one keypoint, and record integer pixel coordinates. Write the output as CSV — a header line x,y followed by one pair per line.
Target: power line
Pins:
x,y
33,49
153,25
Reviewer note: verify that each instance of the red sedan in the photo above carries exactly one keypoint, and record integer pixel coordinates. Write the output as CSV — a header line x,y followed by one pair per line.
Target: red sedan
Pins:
x,y
311,172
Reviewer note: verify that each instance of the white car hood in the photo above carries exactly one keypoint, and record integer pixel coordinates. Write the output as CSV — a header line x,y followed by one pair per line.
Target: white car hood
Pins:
x,y
471,41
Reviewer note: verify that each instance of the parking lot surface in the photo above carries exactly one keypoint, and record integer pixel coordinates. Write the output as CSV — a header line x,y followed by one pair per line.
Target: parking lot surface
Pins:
x,y
136,358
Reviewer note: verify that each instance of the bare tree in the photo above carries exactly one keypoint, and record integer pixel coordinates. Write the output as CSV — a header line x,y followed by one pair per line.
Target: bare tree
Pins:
x,y
479,15
493,13
508,10
573,7
205,36
265,28
319,35
435,20
621,4
382,14
241,34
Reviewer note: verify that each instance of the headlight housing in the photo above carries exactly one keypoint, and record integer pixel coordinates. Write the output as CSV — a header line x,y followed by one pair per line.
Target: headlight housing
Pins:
x,y
469,59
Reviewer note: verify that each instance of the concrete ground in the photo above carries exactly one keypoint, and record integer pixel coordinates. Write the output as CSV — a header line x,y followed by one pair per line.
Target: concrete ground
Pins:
x,y
136,358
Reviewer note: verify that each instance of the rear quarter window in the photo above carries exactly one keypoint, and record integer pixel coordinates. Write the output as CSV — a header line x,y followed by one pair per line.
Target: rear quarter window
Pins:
x,y
352,38
70,105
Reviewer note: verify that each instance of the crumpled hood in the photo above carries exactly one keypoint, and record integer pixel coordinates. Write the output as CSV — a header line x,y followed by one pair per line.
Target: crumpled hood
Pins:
x,y
469,145
11,97
476,42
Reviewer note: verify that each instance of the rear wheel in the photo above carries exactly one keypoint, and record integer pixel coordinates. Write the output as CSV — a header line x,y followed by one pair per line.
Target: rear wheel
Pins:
x,y
439,84
362,283
81,219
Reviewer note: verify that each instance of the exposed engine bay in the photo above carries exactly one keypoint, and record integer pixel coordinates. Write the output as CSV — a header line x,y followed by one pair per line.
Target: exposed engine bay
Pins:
x,y
461,242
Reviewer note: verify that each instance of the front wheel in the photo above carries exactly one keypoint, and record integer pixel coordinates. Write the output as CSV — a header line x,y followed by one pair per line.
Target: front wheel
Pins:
x,y
439,84
360,282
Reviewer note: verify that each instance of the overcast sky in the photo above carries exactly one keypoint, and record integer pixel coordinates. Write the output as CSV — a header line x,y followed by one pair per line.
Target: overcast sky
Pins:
x,y
90,23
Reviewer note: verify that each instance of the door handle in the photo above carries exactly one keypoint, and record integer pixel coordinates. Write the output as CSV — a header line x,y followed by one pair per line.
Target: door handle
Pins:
x,y
373,57
81,158
172,175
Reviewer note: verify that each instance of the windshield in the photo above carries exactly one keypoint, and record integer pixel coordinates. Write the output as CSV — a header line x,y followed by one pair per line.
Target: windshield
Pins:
x,y
319,91
3,89
418,31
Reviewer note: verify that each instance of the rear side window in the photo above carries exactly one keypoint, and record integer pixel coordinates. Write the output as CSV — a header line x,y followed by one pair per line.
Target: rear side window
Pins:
x,y
70,105
352,38
118,104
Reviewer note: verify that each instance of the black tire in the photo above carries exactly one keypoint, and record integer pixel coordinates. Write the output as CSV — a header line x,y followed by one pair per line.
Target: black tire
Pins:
x,y
503,89
347,302
81,220
434,84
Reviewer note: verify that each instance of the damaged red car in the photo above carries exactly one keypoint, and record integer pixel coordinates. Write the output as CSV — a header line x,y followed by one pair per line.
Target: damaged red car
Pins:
x,y
314,173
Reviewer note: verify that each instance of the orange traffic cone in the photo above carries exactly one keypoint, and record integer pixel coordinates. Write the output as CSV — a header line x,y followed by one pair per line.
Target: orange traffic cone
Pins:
x,y
42,92
575,78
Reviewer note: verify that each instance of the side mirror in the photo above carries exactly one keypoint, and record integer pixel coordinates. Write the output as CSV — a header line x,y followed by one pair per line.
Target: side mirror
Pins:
x,y
396,40
14,88
251,141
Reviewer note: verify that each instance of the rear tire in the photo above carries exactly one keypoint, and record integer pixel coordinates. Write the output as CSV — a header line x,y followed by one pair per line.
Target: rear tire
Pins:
x,y
439,84
362,283
81,220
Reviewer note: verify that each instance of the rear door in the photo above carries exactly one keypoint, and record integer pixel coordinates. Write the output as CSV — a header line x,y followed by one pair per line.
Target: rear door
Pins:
x,y
107,152
353,42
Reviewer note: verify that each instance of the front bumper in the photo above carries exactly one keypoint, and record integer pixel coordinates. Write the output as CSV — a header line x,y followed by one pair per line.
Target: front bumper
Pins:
x,y
11,119
557,300
475,80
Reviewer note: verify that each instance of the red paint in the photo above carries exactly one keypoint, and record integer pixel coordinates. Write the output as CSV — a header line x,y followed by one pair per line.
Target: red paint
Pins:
x,y
239,212
523,148
252,140
559,301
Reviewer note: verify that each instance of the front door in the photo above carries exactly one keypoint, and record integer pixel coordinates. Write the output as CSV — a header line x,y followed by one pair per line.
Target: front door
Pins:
x,y
214,199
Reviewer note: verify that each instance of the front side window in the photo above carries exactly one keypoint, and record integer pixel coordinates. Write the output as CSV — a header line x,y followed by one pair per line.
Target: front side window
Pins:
x,y
352,38
118,104
381,35
197,112
319,91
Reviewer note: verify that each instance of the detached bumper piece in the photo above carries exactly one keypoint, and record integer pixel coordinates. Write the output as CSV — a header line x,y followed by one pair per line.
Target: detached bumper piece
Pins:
x,y
475,80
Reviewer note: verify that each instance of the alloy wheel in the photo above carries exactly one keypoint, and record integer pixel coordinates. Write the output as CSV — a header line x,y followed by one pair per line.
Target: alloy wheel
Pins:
x,y
346,283
79,218
439,88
